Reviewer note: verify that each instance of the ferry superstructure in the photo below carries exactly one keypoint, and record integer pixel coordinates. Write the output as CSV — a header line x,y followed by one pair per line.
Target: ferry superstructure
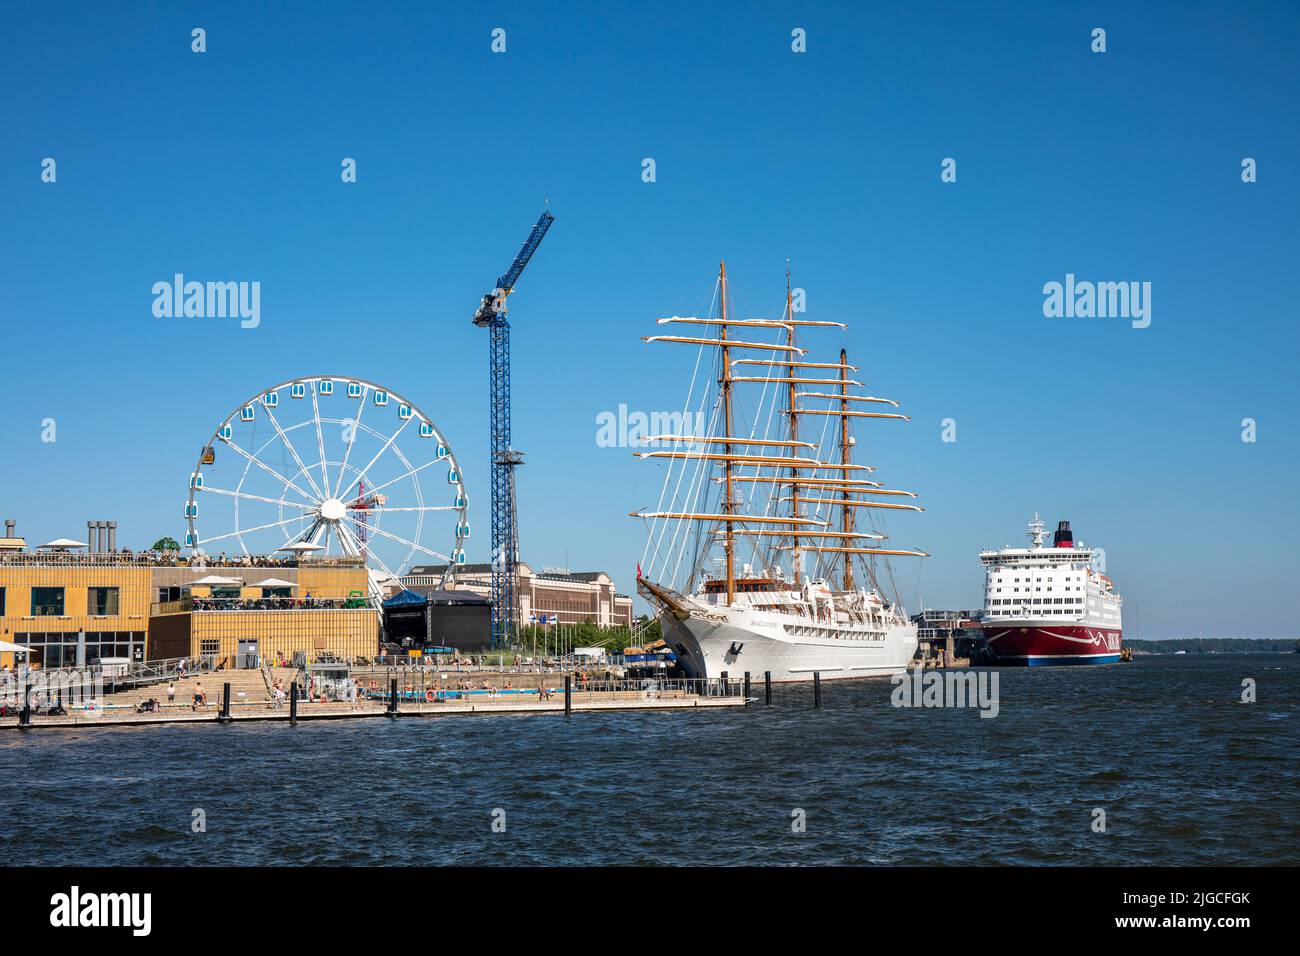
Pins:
x,y
782,501
1049,606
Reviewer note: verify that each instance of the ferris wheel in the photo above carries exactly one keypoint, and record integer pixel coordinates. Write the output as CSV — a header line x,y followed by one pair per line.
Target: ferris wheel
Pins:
x,y
329,466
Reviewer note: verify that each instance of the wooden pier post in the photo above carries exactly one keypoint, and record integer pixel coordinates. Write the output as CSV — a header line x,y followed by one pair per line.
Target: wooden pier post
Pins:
x,y
392,697
767,687
817,688
25,716
293,704
223,716
746,687
724,682
568,694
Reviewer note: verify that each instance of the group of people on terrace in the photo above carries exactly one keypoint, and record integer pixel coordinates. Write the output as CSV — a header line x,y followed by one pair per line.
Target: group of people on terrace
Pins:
x,y
169,559
265,603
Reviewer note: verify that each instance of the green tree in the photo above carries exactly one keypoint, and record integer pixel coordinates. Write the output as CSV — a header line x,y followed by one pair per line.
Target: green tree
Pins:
x,y
166,544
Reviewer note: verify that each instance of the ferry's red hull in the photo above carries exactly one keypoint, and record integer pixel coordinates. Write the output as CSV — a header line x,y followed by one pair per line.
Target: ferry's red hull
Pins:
x,y
1041,645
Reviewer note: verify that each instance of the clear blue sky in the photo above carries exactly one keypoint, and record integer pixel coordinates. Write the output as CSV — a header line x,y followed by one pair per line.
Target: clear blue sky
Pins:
x,y
1119,166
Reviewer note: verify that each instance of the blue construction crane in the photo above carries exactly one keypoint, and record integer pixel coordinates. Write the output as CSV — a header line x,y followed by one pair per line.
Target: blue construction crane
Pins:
x,y
491,315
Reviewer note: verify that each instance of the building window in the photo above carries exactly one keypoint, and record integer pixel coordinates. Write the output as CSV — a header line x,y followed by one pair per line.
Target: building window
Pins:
x,y
210,647
103,602
2,602
47,602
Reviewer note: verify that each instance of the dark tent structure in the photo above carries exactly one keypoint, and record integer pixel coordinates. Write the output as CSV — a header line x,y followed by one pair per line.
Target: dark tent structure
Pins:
x,y
405,598
427,618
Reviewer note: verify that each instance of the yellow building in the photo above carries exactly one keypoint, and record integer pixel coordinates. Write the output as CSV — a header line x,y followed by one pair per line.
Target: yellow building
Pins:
x,y
69,610
74,609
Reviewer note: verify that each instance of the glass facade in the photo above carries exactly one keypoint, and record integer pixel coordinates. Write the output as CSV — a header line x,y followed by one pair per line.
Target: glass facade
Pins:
x,y
53,649
47,602
103,602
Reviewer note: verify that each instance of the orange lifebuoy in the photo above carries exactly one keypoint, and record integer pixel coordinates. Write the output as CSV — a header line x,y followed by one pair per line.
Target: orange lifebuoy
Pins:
x,y
429,696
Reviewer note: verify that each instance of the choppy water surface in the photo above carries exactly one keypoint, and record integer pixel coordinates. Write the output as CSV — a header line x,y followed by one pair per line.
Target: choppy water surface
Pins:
x,y
1185,772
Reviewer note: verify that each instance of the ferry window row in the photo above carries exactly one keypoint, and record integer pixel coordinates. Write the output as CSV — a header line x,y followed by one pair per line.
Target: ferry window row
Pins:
x,y
1045,610
1050,589
1050,580
1037,601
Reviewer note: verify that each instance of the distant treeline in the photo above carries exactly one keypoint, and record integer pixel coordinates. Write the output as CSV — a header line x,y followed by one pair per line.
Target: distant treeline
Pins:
x,y
1217,645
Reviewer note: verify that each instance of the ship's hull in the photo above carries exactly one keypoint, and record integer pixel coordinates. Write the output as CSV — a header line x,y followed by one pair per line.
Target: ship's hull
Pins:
x,y
717,642
1046,645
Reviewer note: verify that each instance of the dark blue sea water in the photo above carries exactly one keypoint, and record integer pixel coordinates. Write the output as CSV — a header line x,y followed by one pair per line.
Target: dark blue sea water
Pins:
x,y
1186,773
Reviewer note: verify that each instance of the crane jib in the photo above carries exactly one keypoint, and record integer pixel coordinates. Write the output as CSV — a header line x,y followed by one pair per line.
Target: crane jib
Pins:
x,y
507,281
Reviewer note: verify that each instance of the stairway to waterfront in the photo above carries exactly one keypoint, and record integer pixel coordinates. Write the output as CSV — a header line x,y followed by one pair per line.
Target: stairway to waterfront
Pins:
x,y
285,675
250,682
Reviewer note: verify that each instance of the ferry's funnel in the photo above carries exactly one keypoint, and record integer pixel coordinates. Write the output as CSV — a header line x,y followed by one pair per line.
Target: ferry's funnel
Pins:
x,y
1064,538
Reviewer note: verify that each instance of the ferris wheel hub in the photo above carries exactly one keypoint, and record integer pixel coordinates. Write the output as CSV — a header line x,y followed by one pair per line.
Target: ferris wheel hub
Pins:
x,y
331,509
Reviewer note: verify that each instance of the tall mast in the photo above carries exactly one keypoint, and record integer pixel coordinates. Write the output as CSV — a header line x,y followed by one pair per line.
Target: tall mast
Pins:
x,y
728,506
832,484
794,421
844,459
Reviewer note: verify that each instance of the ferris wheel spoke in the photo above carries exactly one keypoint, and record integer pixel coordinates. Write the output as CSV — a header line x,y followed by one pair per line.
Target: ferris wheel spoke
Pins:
x,y
310,534
393,481
379,510
271,471
345,532
348,543
379,454
293,451
242,531
320,529
245,494
320,439
352,438
401,540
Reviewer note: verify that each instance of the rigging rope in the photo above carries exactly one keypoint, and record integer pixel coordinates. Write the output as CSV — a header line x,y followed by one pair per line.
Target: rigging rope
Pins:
x,y
650,538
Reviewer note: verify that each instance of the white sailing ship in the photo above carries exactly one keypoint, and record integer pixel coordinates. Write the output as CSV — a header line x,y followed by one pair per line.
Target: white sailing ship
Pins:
x,y
784,595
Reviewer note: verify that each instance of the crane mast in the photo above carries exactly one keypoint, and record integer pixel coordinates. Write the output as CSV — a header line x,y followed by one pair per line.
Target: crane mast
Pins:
x,y
504,458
